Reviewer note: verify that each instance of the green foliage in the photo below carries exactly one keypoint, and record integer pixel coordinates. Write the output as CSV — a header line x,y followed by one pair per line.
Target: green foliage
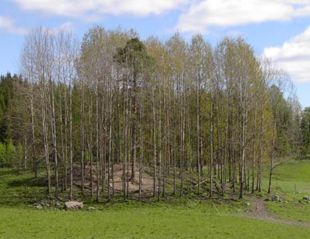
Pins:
x,y
3,155
10,155
283,118
305,129
11,151
134,56
6,93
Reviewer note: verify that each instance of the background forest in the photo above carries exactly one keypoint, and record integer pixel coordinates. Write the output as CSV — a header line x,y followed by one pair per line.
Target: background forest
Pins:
x,y
116,116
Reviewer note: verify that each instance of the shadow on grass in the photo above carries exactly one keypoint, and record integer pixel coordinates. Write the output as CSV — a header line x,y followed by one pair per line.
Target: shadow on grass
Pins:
x,y
5,172
30,182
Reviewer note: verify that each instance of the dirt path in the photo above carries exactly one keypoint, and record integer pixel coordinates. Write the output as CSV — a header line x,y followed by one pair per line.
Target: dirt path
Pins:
x,y
259,211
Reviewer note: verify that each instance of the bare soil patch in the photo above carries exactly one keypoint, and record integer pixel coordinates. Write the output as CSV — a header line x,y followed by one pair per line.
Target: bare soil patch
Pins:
x,y
259,211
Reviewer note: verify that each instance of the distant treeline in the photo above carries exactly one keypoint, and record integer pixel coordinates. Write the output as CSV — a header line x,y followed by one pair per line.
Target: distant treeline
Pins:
x,y
170,118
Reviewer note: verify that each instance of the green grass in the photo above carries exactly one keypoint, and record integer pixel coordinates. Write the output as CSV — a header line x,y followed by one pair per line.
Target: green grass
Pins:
x,y
177,218
19,189
141,221
291,181
293,177
291,210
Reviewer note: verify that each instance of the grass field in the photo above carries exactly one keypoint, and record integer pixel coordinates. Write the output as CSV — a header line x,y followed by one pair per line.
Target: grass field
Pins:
x,y
291,182
140,222
178,219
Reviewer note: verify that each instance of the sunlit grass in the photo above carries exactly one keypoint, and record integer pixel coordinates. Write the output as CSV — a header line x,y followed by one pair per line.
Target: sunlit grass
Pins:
x,y
174,218
291,181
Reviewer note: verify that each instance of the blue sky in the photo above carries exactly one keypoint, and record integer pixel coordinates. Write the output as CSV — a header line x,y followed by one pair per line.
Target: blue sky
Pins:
x,y
277,29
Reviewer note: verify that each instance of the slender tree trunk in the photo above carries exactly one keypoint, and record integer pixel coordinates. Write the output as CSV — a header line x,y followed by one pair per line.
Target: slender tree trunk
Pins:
x,y
211,150
242,162
141,156
82,126
159,149
54,137
97,144
198,133
67,115
34,157
272,158
154,146
45,140
71,141
110,157
62,140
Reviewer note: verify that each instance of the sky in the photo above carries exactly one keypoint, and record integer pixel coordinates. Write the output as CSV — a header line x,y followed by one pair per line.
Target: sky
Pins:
x,y
276,29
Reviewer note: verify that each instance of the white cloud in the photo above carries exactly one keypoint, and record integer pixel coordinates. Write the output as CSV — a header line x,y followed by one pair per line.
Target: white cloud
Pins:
x,y
8,25
88,8
65,27
205,13
293,56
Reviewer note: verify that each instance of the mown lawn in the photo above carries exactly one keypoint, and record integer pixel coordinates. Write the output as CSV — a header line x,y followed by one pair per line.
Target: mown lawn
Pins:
x,y
157,221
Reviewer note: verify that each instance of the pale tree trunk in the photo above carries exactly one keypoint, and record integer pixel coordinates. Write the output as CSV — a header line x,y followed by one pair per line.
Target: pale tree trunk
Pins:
x,y
66,139
34,157
90,143
25,153
259,167
182,134
243,141
97,144
54,137
154,146
62,141
110,163
45,140
141,156
272,157
211,151
242,162
159,148
82,112
254,155
70,142
198,132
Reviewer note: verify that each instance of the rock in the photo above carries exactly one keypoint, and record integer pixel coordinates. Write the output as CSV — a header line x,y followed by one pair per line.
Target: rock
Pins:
x,y
307,198
275,198
39,206
59,205
44,203
73,205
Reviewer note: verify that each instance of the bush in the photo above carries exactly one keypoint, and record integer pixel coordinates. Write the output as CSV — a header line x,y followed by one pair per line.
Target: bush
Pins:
x,y
10,154
2,154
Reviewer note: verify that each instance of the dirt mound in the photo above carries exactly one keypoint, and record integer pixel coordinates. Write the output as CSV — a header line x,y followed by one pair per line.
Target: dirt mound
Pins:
x,y
90,178
133,183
